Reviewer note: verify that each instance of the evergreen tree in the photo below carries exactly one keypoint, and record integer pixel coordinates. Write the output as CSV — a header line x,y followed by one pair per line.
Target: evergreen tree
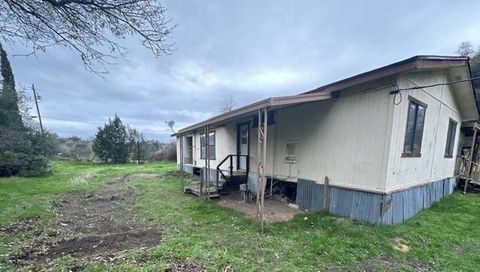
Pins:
x,y
111,143
20,147
9,112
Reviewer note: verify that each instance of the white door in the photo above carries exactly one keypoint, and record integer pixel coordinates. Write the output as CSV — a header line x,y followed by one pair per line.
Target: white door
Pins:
x,y
242,146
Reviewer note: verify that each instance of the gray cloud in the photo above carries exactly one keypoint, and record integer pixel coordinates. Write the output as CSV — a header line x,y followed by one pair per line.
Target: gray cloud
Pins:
x,y
252,49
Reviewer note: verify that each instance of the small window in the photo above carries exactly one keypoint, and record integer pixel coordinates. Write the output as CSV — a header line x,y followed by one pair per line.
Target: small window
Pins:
x,y
211,145
452,129
414,131
291,153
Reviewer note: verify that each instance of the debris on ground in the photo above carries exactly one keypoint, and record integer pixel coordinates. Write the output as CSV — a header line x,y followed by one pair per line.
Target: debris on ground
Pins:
x,y
401,245
89,226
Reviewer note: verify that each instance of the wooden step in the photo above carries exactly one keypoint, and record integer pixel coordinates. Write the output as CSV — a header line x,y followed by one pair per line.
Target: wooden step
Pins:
x,y
212,192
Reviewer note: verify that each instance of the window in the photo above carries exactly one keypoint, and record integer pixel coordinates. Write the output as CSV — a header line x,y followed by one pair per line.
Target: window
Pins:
x,y
452,129
188,150
211,145
414,131
291,153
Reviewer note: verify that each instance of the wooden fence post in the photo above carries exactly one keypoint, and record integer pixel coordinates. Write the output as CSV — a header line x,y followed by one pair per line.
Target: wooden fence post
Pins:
x,y
326,191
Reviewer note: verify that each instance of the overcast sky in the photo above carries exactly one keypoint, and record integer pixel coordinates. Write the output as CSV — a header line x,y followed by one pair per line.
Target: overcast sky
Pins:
x,y
253,49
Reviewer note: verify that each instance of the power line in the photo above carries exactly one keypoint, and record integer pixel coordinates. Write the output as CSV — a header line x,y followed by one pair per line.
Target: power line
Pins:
x,y
437,84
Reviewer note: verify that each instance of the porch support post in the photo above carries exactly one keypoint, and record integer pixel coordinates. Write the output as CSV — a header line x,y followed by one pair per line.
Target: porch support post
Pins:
x,y
182,184
204,174
470,158
207,162
261,161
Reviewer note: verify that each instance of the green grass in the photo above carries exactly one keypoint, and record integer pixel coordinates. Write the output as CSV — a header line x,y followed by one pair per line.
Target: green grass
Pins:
x,y
26,197
445,237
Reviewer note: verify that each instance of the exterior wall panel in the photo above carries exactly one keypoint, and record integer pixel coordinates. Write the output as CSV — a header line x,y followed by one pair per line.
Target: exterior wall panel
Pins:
x,y
405,172
342,138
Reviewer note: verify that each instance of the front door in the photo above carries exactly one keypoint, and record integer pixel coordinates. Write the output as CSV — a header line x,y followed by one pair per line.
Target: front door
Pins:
x,y
242,146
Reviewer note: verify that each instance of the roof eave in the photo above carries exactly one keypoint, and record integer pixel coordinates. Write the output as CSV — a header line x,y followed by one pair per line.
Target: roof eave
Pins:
x,y
266,103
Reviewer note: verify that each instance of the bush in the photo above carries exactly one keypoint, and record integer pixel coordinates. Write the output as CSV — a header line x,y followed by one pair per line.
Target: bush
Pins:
x,y
167,153
76,149
34,166
23,149
111,142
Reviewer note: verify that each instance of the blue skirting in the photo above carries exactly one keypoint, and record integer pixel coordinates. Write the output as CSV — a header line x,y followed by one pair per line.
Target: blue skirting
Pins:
x,y
375,208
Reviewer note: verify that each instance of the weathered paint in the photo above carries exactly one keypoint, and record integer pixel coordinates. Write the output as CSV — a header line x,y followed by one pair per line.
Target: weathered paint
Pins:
x,y
341,138
405,172
309,195
367,206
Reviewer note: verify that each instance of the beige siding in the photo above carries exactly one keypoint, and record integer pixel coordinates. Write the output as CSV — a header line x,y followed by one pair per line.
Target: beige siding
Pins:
x,y
432,165
343,139
225,144
178,148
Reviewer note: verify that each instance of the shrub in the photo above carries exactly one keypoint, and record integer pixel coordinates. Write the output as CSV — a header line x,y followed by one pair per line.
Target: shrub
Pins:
x,y
111,142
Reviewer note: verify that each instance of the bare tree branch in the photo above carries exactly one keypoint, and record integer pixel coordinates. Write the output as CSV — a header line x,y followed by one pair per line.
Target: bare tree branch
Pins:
x,y
92,28
465,49
227,102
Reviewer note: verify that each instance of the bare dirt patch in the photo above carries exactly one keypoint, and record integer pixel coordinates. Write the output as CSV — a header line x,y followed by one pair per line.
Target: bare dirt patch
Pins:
x,y
92,224
103,243
21,225
387,263
275,210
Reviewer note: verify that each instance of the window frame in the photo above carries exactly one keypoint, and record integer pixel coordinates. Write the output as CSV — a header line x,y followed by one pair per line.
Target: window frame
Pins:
x,y
291,158
212,155
450,143
411,153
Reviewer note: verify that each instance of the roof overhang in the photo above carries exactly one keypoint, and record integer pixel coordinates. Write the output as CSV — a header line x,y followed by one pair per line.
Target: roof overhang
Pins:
x,y
464,92
270,103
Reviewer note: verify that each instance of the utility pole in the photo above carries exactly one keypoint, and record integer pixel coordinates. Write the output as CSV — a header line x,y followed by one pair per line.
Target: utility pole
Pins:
x,y
38,109
35,96
138,152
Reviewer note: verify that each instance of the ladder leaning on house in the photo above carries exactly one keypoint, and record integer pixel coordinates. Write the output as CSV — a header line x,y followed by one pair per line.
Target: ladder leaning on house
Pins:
x,y
467,168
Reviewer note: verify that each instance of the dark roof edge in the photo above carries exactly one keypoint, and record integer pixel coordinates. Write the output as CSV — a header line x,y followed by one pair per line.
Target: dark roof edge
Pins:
x,y
407,64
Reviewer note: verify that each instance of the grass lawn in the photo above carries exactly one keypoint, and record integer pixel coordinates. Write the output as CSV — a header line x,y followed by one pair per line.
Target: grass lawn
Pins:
x,y
202,235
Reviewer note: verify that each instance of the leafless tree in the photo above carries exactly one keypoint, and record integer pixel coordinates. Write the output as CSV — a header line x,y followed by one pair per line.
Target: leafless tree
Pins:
x,y
170,124
465,49
25,106
227,102
92,28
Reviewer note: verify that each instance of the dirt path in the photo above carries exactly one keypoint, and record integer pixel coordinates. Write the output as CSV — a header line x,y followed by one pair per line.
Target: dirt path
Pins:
x,y
275,210
90,224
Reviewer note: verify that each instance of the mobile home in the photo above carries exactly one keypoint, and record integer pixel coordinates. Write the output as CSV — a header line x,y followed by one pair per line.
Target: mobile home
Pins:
x,y
385,141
